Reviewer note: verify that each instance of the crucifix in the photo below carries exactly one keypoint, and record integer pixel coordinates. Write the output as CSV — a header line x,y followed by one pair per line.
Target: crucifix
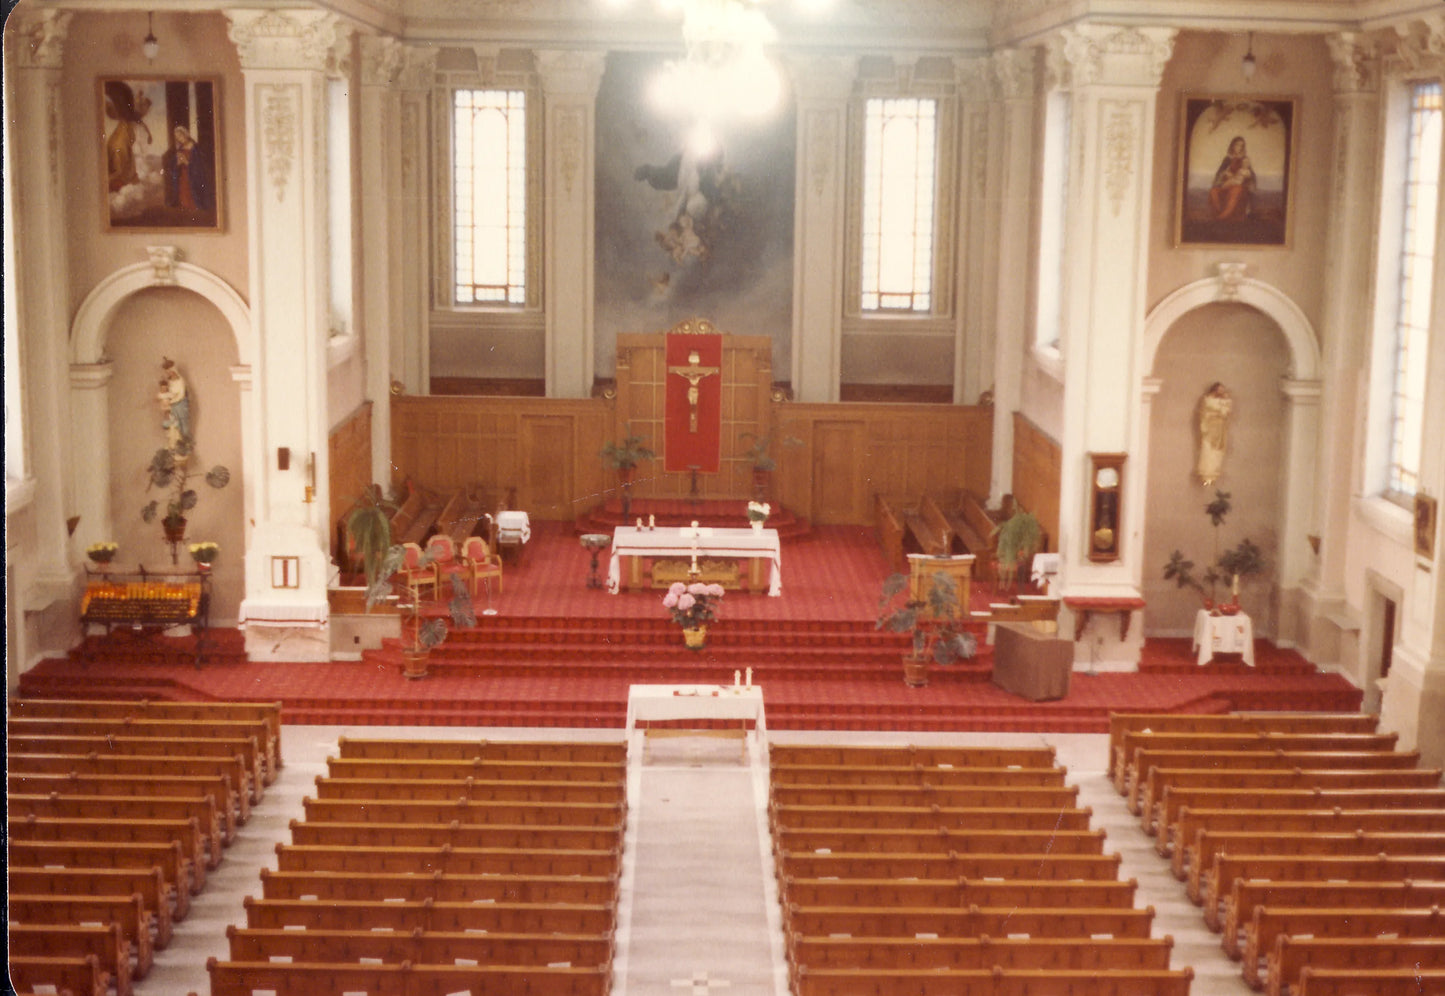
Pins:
x,y
694,373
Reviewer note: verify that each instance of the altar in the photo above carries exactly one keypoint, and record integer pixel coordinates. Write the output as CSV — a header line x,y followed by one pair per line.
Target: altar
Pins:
x,y
656,703
759,547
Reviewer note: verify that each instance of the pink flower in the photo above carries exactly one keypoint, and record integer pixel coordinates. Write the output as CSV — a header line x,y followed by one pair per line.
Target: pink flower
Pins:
x,y
670,600
715,590
685,601
697,588
677,588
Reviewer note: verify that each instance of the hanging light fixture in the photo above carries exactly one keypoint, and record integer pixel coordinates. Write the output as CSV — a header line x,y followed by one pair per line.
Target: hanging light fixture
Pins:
x,y
149,45
1248,64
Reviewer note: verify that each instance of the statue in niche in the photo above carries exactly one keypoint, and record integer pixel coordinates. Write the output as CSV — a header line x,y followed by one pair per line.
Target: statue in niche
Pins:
x,y
1214,410
175,410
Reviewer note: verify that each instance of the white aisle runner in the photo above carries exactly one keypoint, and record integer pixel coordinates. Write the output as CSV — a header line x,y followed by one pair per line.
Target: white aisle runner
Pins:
x,y
698,913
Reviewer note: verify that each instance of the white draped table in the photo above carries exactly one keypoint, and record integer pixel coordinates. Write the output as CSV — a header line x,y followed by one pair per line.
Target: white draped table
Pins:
x,y
651,703
629,541
1223,635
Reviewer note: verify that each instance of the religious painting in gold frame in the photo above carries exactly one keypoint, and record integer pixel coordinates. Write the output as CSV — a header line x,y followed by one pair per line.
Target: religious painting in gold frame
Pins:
x,y
1427,512
1106,492
1236,171
161,153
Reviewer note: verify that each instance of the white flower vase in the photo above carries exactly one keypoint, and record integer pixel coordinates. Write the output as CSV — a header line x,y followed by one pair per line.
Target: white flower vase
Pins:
x,y
757,525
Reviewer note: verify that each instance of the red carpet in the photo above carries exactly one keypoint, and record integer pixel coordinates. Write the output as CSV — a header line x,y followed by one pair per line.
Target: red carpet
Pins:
x,y
561,654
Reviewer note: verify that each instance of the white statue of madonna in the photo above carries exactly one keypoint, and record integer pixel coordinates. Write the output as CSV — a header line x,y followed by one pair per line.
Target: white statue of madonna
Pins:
x,y
1214,409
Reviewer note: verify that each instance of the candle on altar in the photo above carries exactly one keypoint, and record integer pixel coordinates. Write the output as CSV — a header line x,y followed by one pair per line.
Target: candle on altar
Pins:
x,y
737,678
639,523
750,677
651,522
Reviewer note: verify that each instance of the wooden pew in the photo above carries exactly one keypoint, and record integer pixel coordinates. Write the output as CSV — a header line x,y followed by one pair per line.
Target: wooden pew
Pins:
x,y
488,750
242,978
106,943
187,833
217,787
1374,981
1249,896
1246,779
956,892
1056,953
270,712
911,841
1280,722
924,817
460,861
256,732
888,525
950,796
86,854
455,834
501,917
1294,955
928,529
1208,844
988,982
1185,831
1380,868
879,774
443,770
1129,775
1176,800
102,746
423,811
974,529
440,887
79,976
911,755
89,807
130,913
966,864
232,769
168,903
473,789
393,947
1273,922
911,922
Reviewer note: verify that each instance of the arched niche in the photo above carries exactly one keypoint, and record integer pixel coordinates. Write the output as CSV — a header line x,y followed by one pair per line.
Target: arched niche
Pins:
x,y
91,371
1300,392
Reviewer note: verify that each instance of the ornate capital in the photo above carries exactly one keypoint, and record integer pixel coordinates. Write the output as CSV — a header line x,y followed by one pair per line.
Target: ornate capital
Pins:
x,y
1013,68
287,39
1420,45
1356,61
39,37
975,78
1231,279
163,260
1112,56
566,72
381,60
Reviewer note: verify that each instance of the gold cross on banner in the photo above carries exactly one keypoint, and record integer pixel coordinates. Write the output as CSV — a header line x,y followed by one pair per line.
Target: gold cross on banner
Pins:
x,y
694,373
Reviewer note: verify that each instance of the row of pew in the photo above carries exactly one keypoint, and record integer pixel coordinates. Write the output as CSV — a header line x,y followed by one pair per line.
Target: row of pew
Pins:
x,y
1315,847
118,812
437,868
958,870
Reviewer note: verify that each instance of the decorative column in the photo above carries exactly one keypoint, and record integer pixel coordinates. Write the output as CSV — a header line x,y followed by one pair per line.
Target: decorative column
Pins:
x,y
976,260
35,225
569,83
284,59
89,417
1113,76
1014,72
823,86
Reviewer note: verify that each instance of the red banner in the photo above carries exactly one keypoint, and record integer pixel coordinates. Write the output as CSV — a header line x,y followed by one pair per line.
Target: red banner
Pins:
x,y
693,426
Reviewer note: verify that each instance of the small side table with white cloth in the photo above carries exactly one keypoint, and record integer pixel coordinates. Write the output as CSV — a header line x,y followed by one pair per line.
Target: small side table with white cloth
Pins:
x,y
744,703
514,530
1223,635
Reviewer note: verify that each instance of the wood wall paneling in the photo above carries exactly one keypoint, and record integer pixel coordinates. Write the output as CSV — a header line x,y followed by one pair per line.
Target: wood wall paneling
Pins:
x,y
1037,468
348,462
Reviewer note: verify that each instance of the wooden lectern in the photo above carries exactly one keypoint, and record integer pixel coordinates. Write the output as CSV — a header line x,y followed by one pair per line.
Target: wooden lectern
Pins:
x,y
922,567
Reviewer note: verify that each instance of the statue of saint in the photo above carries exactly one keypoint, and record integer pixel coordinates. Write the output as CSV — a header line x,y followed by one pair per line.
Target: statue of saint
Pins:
x,y
175,409
1214,409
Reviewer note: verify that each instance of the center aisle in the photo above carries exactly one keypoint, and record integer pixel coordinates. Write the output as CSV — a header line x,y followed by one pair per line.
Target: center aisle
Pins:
x,y
698,910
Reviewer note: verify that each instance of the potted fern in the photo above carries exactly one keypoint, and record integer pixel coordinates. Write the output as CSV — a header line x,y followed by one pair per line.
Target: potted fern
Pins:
x,y
421,634
623,456
932,623
1018,539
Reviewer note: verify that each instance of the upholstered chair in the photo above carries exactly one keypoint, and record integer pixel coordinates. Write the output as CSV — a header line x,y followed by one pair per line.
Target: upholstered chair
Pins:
x,y
416,574
482,563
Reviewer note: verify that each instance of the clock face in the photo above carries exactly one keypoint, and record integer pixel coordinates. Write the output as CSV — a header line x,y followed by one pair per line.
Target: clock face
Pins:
x,y
1107,477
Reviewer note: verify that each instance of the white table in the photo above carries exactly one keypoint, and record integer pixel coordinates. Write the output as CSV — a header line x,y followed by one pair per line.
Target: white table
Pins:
x,y
1223,635
629,541
651,703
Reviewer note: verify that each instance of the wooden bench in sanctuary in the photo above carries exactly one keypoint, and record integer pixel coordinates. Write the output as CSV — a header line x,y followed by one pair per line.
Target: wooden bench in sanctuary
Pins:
x,y
912,755
910,922
1191,822
420,947
958,892
908,841
1023,797
956,864
129,913
472,789
186,833
1249,897
244,978
1209,844
160,896
989,982
442,887
1229,868
232,770
935,775
199,808
1176,801
103,745
455,834
929,817
216,787
557,752
1274,923
106,943
507,917
464,811
1055,953
1372,981
455,860
477,767
58,974
85,854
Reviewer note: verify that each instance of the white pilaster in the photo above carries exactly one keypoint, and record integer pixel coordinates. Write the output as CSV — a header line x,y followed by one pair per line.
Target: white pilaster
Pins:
x,y
1112,74
569,82
89,417
285,54
823,86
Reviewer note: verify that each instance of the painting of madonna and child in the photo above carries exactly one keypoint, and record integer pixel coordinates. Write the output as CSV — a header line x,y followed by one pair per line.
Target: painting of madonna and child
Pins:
x,y
1236,162
160,154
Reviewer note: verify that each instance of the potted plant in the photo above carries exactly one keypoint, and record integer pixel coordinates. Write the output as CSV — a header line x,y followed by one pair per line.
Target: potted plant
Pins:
x,y
693,606
168,470
1245,560
1018,539
102,553
932,624
368,532
422,635
623,456
758,512
204,554
759,452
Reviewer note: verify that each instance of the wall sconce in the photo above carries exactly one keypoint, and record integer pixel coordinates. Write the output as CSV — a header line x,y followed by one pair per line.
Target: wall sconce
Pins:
x,y
1249,64
310,478
149,45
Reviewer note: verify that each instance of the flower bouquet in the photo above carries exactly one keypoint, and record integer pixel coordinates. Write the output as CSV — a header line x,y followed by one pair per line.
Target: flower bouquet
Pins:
x,y
204,553
102,553
758,512
693,606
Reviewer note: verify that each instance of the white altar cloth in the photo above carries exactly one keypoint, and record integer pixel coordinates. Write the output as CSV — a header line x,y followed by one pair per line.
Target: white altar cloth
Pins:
x,y
629,541
1223,635
647,703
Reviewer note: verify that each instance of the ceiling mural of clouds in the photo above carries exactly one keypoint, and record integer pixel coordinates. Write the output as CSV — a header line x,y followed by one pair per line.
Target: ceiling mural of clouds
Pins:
x,y
694,218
